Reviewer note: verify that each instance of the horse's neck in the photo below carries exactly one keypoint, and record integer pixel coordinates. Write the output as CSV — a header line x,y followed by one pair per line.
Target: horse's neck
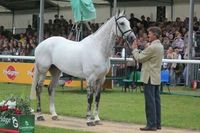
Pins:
x,y
105,37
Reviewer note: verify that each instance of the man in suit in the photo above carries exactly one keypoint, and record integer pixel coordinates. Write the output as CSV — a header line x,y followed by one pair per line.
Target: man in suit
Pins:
x,y
151,59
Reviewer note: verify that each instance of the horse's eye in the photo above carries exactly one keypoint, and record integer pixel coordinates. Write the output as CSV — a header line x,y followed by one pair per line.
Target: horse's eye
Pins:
x,y
122,23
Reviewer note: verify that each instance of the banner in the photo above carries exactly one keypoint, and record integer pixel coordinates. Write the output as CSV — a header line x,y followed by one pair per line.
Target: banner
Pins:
x,y
17,123
83,10
11,72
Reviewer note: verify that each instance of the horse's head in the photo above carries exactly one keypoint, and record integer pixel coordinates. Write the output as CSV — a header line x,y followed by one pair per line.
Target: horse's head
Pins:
x,y
123,28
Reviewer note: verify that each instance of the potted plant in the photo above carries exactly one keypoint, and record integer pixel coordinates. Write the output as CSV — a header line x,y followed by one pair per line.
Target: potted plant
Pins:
x,y
16,115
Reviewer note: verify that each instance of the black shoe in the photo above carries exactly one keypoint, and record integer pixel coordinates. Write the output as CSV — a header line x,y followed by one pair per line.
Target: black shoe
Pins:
x,y
159,127
148,129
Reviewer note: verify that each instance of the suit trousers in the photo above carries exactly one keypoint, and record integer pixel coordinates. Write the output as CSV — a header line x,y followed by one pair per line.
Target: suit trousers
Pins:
x,y
152,105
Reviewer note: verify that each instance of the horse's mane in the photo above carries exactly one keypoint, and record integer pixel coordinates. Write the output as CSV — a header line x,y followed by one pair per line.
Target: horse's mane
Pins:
x,y
102,26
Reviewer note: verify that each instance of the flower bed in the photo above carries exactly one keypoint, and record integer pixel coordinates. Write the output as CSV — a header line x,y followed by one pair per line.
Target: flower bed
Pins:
x,y
16,116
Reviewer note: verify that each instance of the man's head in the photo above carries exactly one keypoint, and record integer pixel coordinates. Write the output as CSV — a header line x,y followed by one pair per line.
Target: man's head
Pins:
x,y
154,33
132,15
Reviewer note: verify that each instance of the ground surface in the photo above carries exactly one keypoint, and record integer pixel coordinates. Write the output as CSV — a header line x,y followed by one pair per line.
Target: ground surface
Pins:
x,y
106,127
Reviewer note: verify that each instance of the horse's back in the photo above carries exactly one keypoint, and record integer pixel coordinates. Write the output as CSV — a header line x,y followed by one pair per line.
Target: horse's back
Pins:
x,y
65,54
45,50
49,44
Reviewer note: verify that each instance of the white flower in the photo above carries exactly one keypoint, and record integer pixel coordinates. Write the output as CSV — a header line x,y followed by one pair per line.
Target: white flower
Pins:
x,y
11,105
2,103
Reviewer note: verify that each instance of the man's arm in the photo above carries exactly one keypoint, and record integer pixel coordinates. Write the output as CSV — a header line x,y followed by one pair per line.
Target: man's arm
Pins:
x,y
144,55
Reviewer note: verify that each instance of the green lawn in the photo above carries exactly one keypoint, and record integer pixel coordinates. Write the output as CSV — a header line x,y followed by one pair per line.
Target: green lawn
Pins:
x,y
42,129
177,111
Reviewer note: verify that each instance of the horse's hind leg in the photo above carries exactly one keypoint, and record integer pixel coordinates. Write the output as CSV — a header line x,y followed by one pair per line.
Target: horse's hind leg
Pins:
x,y
55,73
38,92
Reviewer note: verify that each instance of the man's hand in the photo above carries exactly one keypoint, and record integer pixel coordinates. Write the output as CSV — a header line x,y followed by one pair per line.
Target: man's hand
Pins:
x,y
135,44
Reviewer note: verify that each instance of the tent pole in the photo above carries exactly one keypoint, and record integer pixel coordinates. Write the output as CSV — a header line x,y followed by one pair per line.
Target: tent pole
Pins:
x,y
41,25
172,10
13,22
190,42
114,7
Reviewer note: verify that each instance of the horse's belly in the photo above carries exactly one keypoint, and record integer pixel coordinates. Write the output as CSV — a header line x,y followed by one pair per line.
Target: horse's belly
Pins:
x,y
69,64
72,70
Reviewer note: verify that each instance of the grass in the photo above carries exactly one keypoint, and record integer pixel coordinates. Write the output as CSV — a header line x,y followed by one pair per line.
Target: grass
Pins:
x,y
177,111
42,129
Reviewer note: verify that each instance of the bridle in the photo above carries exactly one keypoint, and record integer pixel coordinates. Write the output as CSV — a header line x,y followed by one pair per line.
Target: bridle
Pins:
x,y
117,26
123,33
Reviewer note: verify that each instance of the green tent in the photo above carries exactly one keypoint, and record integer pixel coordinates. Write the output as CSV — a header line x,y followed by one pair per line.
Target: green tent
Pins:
x,y
83,10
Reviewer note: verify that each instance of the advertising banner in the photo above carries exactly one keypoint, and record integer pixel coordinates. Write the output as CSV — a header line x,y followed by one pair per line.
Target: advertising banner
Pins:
x,y
11,72
17,123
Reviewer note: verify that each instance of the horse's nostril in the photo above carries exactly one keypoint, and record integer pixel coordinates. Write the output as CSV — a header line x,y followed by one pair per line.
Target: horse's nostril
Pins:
x,y
131,39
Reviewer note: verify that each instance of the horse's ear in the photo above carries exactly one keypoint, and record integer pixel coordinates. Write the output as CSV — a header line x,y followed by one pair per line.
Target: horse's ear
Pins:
x,y
122,13
118,13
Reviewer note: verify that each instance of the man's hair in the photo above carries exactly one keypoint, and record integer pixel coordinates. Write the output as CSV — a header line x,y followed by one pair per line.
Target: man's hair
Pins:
x,y
155,30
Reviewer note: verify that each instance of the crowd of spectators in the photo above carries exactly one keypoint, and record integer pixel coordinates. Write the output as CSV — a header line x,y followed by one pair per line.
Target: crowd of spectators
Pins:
x,y
174,37
24,44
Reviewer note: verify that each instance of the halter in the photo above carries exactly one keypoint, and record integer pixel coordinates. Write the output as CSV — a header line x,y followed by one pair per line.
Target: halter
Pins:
x,y
123,33
117,26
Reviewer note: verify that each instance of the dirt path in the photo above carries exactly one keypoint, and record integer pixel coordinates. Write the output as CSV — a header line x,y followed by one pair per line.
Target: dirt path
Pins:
x,y
106,127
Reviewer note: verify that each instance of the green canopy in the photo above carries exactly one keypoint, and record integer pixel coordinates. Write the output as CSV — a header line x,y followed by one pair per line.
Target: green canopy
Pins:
x,y
83,10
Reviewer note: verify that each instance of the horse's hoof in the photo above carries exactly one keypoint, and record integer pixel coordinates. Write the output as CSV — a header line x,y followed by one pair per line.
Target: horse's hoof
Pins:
x,y
40,118
54,117
91,123
98,123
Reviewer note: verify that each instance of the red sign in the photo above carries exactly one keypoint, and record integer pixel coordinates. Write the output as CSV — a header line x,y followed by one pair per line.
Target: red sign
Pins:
x,y
10,72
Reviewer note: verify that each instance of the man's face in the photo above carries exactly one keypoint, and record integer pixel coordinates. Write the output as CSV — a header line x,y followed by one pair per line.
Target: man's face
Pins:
x,y
151,36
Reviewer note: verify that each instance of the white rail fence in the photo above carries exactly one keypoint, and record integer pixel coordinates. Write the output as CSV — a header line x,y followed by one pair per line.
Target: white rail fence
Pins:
x,y
111,59
193,71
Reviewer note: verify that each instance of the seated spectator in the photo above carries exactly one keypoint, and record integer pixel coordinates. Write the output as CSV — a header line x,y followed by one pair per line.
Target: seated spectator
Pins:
x,y
178,42
166,43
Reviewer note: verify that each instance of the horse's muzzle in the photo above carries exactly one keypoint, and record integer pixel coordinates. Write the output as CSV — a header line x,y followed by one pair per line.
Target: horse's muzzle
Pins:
x,y
131,37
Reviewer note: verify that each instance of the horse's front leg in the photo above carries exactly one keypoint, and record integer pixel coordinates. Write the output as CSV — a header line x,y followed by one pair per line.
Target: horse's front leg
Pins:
x,y
97,100
51,91
39,86
90,121
55,73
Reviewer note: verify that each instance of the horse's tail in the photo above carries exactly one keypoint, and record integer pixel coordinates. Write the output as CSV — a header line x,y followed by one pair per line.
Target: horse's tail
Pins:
x,y
34,83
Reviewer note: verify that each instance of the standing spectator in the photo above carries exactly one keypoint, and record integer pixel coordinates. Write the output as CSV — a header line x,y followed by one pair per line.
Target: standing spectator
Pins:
x,y
62,20
56,20
133,22
171,66
29,30
70,26
179,67
151,59
144,22
149,22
